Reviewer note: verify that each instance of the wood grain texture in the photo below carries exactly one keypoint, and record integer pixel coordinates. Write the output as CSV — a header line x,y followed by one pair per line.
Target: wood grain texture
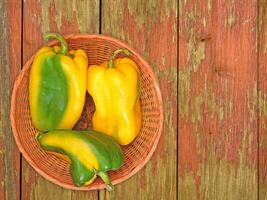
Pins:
x,y
262,101
64,17
151,28
217,100
10,58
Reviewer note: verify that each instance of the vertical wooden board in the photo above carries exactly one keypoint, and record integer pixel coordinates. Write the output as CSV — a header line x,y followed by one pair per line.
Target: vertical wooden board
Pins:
x,y
151,28
217,92
10,58
262,101
63,17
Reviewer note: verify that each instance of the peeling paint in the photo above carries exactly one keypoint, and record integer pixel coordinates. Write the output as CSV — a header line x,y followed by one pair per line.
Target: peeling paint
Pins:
x,y
262,4
140,14
195,48
68,10
212,105
169,120
262,188
41,186
252,102
170,6
221,180
187,187
195,54
181,7
196,115
263,104
7,174
209,6
58,19
204,22
231,17
26,175
163,60
198,102
108,27
86,19
173,39
255,96
69,13
199,55
169,73
174,27
1,124
221,109
45,16
230,106
224,169
265,35
183,94
220,113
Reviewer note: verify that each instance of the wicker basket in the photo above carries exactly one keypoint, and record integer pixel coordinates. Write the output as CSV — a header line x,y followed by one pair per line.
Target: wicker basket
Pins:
x,y
137,154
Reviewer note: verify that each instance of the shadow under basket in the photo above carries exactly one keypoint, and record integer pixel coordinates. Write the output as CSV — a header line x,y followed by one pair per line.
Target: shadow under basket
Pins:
x,y
136,154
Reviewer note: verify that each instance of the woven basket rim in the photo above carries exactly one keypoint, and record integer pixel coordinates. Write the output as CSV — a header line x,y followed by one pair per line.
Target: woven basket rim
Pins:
x,y
32,162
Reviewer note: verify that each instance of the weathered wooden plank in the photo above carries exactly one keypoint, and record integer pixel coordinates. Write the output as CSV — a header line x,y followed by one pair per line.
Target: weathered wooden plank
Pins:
x,y
151,28
217,100
64,17
10,58
262,101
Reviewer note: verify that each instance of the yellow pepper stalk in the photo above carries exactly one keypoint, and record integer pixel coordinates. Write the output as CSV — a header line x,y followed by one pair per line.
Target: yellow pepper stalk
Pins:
x,y
115,89
57,86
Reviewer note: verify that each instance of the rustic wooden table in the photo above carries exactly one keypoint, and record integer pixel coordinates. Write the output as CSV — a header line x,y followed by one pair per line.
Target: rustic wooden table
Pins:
x,y
222,99
151,27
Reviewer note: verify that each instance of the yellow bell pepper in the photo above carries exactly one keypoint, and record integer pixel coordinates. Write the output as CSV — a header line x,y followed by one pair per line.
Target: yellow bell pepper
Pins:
x,y
57,86
115,89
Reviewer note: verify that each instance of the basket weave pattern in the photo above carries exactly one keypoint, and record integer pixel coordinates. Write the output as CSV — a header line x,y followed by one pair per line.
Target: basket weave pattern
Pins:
x,y
98,49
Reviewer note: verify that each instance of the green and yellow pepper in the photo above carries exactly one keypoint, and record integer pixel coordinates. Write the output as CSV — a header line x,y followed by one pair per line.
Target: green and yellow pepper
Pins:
x,y
115,89
91,153
57,86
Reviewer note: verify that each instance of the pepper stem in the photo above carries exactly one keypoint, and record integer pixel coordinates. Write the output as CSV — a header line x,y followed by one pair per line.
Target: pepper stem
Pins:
x,y
105,178
115,53
64,45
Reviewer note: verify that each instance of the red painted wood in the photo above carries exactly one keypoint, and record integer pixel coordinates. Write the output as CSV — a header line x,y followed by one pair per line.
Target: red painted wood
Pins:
x,y
262,100
217,100
11,59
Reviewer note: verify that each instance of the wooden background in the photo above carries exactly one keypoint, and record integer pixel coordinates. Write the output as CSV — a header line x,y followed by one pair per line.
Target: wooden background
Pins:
x,y
222,99
220,103
149,26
